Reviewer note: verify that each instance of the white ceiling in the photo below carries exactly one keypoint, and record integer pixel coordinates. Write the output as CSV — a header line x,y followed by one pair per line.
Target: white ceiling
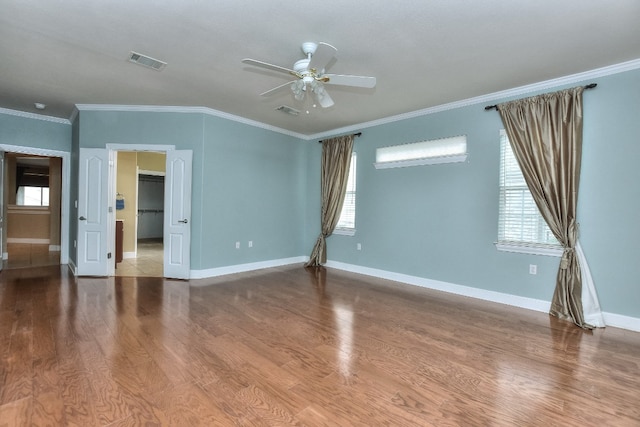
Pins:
x,y
424,53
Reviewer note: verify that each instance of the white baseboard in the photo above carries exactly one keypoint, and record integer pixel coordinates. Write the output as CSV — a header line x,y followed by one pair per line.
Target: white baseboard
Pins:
x,y
620,321
241,268
72,267
5,255
27,240
54,248
611,319
128,255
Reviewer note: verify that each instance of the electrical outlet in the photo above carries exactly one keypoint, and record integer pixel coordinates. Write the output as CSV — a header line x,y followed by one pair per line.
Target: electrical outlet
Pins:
x,y
250,244
533,269
237,245
359,247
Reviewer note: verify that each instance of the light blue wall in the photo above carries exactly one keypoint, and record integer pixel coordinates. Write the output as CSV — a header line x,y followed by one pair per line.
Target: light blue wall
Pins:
x,y
440,222
248,183
253,185
609,203
34,133
436,222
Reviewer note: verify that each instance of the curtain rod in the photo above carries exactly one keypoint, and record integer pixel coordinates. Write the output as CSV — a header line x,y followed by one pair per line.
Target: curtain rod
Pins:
x,y
355,134
495,107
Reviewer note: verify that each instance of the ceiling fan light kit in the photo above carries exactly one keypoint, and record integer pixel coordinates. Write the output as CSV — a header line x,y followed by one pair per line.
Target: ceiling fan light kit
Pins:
x,y
310,73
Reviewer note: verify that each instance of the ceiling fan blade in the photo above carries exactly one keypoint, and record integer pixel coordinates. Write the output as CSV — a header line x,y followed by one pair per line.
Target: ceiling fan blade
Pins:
x,y
323,55
268,66
324,99
344,80
277,88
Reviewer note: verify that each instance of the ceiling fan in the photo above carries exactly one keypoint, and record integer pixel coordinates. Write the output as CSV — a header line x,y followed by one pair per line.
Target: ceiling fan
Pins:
x,y
310,74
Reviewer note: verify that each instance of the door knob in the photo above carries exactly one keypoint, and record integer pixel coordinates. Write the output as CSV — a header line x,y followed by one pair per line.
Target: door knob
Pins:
x,y
183,221
82,218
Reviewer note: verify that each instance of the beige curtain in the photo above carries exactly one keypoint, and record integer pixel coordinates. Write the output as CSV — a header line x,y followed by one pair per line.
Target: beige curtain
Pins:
x,y
545,132
336,158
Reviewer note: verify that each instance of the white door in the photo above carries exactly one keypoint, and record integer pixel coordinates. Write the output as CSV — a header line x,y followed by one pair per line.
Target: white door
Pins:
x,y
177,218
2,209
93,213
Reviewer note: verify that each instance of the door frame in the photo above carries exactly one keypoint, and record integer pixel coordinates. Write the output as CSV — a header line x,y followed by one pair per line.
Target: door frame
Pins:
x,y
65,193
113,149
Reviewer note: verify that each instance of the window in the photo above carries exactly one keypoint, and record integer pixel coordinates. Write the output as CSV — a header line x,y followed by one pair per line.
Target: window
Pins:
x,y
347,222
521,228
445,150
32,196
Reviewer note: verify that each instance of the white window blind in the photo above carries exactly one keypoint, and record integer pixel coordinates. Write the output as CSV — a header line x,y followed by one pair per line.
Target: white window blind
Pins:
x,y
519,221
347,221
445,150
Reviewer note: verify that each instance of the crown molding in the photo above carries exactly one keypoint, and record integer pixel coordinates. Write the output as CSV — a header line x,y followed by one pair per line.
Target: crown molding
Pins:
x,y
188,110
488,98
27,115
492,97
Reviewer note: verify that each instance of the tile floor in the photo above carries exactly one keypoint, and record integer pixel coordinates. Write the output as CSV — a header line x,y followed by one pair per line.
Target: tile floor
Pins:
x,y
149,261
27,255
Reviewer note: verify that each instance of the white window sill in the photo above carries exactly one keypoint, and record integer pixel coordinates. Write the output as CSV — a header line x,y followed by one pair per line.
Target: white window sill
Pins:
x,y
345,231
530,248
421,162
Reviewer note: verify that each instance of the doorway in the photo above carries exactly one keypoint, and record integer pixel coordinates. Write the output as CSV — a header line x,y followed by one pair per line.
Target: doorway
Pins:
x,y
140,213
32,209
97,243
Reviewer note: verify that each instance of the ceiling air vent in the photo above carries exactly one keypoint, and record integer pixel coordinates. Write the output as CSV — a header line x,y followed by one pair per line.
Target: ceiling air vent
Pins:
x,y
288,110
146,61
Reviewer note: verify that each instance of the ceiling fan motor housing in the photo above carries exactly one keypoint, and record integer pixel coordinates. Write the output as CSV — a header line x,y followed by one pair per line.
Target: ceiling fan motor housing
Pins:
x,y
309,48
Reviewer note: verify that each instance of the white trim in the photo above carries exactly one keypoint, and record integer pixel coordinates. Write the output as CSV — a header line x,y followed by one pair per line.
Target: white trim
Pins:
x,y
140,147
530,248
421,162
5,255
241,268
197,110
483,294
547,84
611,319
54,248
128,255
28,240
72,267
27,115
517,91
65,194
620,321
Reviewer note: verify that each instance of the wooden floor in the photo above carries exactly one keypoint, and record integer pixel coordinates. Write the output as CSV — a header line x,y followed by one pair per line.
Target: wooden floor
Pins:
x,y
288,346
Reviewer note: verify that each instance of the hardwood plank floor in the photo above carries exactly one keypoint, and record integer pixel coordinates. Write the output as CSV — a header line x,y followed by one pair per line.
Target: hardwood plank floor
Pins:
x,y
289,346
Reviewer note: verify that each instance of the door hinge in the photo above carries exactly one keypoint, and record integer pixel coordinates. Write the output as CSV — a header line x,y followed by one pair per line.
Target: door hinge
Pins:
x,y
109,255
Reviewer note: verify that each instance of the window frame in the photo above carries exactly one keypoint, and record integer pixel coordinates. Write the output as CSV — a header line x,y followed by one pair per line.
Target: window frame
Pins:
x,y
417,153
520,246
352,180
25,188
